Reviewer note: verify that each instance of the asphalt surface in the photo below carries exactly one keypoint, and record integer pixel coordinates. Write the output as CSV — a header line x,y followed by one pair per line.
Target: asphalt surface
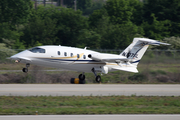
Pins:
x,y
89,89
11,71
91,117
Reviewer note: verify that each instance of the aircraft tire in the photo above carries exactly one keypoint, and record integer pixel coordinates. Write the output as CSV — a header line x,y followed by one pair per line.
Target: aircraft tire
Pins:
x,y
98,79
25,70
81,77
82,81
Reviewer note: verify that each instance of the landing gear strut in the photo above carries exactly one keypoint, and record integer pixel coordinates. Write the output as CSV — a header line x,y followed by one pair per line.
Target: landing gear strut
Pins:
x,y
98,77
25,70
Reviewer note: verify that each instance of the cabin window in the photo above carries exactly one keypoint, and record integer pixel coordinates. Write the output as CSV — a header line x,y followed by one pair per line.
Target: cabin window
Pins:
x,y
84,56
65,53
71,54
78,56
59,53
37,50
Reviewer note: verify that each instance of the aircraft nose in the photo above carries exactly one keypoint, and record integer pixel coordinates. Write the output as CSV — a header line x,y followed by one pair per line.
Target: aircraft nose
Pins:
x,y
22,56
14,57
18,55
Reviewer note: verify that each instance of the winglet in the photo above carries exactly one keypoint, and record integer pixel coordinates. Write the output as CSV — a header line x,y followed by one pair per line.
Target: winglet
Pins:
x,y
86,48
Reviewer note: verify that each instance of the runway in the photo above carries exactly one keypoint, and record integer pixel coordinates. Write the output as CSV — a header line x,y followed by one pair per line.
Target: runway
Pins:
x,y
11,71
91,117
89,89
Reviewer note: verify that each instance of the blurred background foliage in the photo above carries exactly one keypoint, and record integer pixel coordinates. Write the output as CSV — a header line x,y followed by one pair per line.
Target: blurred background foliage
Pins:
x,y
98,24
103,25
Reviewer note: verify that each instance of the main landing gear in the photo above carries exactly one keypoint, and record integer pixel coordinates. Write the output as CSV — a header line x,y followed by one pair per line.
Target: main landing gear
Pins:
x,y
98,77
82,77
25,70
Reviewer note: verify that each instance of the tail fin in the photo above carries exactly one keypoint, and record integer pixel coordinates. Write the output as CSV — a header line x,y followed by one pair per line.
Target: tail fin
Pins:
x,y
137,48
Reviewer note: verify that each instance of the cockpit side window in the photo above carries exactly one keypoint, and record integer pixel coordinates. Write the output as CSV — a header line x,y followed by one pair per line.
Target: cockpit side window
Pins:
x,y
37,50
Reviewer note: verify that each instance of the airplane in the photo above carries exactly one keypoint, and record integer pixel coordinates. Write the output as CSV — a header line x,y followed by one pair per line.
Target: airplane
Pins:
x,y
83,60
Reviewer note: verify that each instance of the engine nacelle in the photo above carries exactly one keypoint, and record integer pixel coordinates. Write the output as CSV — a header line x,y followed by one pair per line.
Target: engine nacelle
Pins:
x,y
95,56
103,69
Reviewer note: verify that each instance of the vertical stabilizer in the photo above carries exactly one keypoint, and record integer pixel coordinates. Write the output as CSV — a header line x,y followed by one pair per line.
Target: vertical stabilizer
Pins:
x,y
137,48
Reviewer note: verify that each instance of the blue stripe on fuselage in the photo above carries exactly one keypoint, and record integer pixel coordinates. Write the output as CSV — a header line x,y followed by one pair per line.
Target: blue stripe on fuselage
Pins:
x,y
49,59
135,61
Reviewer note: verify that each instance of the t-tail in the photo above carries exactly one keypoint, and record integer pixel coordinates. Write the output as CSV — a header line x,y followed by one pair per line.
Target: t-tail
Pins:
x,y
135,51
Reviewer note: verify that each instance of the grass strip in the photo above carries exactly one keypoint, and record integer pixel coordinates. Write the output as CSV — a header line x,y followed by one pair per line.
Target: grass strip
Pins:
x,y
60,105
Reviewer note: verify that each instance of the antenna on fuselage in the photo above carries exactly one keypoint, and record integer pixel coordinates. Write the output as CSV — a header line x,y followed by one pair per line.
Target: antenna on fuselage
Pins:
x,y
86,48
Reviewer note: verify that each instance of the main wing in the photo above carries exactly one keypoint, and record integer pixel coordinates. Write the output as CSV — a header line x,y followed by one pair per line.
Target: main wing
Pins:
x,y
125,66
127,69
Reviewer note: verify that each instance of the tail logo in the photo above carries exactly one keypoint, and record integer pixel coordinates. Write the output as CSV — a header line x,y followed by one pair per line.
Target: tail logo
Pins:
x,y
144,43
129,54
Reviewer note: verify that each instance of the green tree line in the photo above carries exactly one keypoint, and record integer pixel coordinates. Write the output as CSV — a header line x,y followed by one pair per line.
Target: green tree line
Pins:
x,y
110,24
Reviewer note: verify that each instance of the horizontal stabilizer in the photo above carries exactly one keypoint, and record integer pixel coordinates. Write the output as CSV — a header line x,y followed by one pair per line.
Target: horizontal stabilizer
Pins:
x,y
127,69
158,43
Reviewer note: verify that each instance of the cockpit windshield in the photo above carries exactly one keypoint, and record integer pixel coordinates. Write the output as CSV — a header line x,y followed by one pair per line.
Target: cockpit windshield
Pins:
x,y
37,50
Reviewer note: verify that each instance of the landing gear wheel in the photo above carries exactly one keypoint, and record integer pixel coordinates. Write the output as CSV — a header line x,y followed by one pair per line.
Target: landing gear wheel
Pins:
x,y
81,77
25,70
98,79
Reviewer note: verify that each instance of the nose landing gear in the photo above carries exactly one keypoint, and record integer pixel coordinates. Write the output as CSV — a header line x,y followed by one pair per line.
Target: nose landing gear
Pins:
x,y
25,70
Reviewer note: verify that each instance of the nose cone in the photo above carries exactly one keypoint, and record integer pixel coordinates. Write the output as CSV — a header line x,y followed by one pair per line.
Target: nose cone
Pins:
x,y
22,56
14,57
18,55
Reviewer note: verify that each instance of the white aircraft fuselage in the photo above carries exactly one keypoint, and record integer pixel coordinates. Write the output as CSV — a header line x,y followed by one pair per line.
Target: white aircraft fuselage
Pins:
x,y
64,57
84,60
